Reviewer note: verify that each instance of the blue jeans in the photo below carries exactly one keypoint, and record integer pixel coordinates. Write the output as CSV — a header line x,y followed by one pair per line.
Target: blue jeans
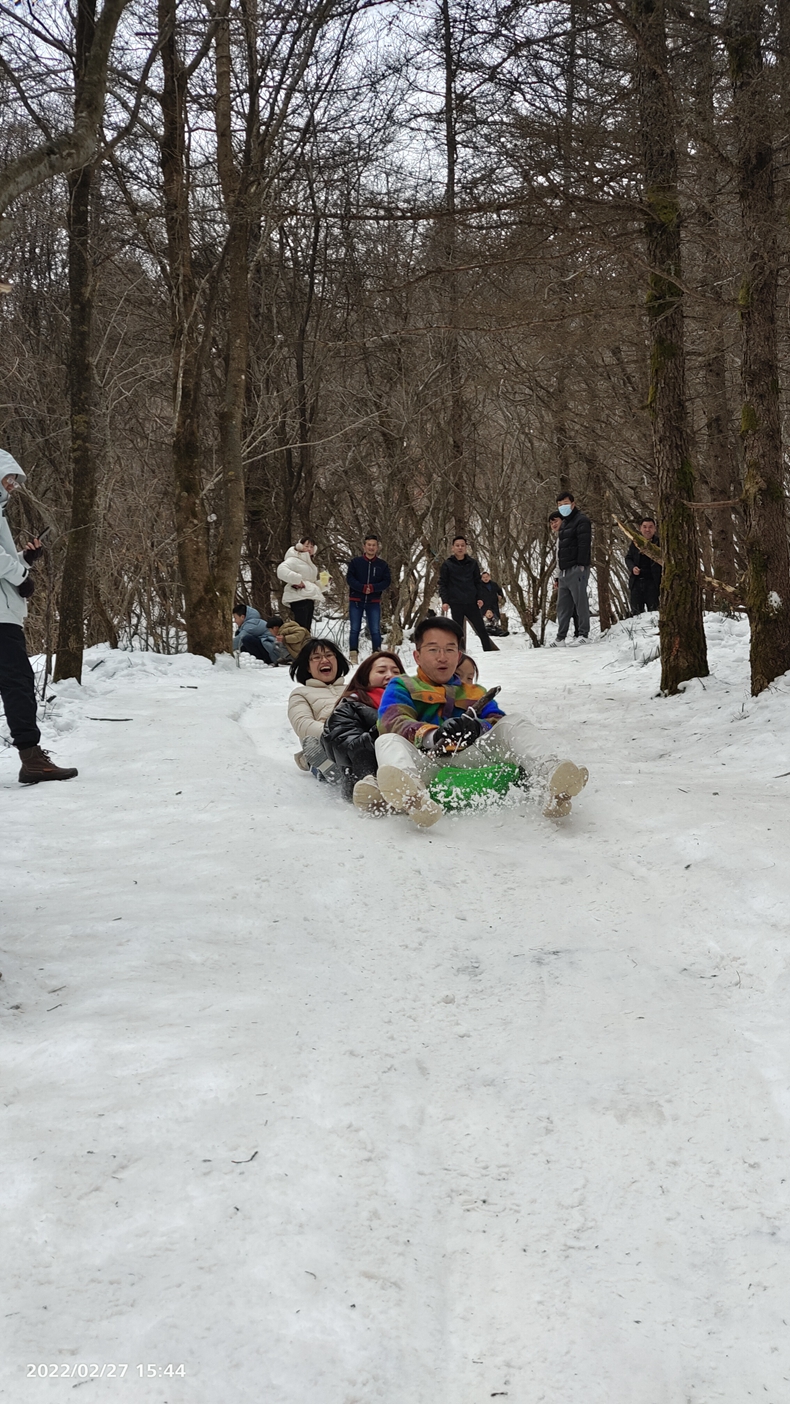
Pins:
x,y
358,608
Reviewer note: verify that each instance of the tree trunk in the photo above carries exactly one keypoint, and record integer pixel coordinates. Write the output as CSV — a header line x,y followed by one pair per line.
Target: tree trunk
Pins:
x,y
457,465
231,418
768,560
681,628
71,620
602,545
69,151
205,632
720,471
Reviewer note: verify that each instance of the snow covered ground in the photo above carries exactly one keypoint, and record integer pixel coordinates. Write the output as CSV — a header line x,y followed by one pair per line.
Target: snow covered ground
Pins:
x,y
330,1109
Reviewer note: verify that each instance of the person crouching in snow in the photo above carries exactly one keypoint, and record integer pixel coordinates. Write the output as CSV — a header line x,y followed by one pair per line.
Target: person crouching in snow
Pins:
x,y
428,722
351,732
288,633
254,636
319,670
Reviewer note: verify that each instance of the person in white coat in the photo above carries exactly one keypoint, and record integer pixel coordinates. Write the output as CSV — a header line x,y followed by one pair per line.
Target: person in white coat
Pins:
x,y
320,671
301,581
17,684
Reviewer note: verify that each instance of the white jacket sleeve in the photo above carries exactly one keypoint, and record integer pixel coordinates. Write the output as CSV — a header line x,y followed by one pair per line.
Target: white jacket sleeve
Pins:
x,y
12,567
290,576
301,716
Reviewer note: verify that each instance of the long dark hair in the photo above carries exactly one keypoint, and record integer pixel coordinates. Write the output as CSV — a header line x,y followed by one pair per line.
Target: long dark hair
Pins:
x,y
300,668
358,687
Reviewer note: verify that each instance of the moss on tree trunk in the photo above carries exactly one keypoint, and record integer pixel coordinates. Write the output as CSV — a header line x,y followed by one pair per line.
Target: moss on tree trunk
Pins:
x,y
768,559
681,628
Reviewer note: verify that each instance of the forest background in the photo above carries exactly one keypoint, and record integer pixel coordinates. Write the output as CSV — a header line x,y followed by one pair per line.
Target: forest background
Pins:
x,y
327,268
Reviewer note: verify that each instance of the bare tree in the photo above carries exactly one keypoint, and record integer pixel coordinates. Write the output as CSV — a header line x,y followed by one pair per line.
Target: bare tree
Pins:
x,y
73,150
683,649
768,590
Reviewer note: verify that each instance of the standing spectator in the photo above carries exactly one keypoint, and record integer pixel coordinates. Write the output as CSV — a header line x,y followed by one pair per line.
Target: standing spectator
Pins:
x,y
254,636
555,522
301,581
368,577
644,574
17,684
492,596
573,561
459,588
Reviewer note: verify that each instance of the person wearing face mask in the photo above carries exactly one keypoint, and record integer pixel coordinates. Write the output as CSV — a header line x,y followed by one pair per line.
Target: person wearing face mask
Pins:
x,y
17,683
555,522
351,731
300,576
573,563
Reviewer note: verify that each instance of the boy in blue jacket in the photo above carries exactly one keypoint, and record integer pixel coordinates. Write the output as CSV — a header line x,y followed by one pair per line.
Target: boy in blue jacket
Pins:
x,y
430,721
254,636
368,577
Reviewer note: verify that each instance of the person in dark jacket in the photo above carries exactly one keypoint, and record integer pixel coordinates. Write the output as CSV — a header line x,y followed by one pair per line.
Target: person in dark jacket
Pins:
x,y
493,596
459,589
573,563
368,577
644,574
351,730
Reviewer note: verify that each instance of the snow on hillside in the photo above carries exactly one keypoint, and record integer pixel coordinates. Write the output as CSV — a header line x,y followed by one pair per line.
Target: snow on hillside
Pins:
x,y
325,1108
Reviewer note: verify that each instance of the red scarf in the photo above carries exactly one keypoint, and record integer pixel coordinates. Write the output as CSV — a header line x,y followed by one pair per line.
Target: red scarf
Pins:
x,y
375,694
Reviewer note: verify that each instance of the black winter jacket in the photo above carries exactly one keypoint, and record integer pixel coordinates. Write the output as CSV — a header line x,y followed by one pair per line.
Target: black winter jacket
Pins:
x,y
575,541
459,581
349,736
648,569
492,596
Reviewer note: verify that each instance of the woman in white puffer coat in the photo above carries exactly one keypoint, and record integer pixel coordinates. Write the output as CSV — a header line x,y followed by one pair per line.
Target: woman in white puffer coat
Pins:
x,y
320,670
17,683
301,581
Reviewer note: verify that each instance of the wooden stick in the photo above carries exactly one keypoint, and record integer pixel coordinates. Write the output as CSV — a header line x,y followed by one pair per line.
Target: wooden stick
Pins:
x,y
703,506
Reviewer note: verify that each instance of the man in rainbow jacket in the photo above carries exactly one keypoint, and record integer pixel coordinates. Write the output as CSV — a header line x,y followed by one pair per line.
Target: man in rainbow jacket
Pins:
x,y
429,721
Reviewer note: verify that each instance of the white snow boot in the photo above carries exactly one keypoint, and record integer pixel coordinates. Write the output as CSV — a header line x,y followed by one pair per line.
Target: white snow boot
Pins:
x,y
353,656
301,760
407,795
565,781
368,796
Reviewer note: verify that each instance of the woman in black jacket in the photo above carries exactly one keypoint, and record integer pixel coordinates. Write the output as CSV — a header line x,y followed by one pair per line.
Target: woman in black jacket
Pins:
x,y
350,732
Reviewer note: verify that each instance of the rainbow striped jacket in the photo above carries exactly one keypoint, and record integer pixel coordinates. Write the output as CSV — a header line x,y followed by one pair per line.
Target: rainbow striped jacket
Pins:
x,y
412,706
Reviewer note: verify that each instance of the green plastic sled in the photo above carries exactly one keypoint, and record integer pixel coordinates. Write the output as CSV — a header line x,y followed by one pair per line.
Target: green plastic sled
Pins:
x,y
474,789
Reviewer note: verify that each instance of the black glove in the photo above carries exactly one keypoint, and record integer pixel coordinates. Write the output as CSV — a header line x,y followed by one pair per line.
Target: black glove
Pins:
x,y
26,588
454,735
32,554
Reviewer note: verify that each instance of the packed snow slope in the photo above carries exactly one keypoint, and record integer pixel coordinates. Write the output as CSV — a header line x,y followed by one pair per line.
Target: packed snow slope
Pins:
x,y
331,1110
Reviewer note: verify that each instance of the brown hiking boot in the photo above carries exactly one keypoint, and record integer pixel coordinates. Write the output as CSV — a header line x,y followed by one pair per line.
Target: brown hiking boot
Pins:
x,y
37,766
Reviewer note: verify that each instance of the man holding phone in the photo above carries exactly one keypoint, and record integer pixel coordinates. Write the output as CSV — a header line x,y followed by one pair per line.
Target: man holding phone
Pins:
x,y
17,684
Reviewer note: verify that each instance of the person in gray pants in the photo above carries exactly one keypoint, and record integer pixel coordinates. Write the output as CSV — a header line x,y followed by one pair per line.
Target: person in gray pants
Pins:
x,y
573,564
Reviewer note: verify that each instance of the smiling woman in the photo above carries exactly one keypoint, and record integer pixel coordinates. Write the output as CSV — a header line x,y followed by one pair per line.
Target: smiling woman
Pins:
x,y
319,670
